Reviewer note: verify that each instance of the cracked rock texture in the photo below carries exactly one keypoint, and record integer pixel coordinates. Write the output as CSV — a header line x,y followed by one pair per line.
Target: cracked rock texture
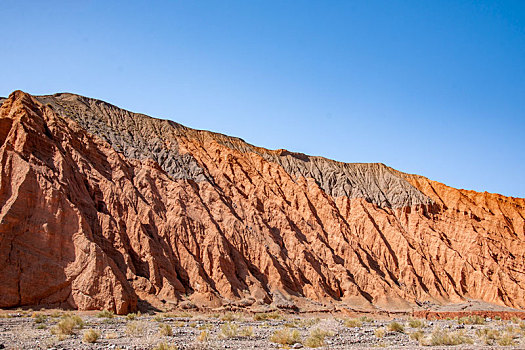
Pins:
x,y
104,208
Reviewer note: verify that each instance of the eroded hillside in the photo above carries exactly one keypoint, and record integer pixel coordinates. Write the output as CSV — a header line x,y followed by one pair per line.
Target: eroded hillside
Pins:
x,y
104,208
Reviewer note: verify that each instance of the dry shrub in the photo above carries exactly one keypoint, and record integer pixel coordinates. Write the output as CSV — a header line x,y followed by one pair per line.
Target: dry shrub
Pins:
x,y
286,337
446,338
474,319
379,332
105,314
353,322
418,335
135,328
165,330
228,317
246,332
203,337
68,325
165,346
506,340
316,338
39,318
91,336
414,323
229,330
261,316
395,327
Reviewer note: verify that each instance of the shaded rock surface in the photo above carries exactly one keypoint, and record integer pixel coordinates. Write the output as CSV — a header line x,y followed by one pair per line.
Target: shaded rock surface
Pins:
x,y
104,208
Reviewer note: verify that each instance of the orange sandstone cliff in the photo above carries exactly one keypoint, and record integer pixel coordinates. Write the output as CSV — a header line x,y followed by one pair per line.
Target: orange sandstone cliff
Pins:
x,y
104,208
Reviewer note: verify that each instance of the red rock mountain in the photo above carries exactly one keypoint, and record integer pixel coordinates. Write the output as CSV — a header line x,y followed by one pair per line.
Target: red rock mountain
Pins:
x,y
104,208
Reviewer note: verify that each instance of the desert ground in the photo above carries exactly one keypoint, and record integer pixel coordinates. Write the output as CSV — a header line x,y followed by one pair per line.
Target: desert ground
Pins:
x,y
58,329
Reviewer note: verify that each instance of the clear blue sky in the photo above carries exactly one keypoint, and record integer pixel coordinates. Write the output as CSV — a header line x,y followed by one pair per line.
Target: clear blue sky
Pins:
x,y
435,88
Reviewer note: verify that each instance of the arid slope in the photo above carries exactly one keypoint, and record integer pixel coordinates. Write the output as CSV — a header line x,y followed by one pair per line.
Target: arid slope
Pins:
x,y
104,208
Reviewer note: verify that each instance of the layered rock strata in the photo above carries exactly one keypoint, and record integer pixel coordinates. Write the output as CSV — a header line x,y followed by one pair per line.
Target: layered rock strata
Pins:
x,y
104,208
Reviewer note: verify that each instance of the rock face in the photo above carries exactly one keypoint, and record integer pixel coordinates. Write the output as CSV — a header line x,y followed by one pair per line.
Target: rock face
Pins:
x,y
104,208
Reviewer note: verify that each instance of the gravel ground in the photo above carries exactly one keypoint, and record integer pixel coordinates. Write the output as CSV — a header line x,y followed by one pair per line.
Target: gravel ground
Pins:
x,y
49,330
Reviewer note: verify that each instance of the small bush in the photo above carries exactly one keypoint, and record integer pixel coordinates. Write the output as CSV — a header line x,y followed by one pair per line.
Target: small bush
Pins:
x,y
515,320
165,330
246,332
379,332
416,323
228,317
40,318
165,346
475,319
316,338
105,314
418,335
67,325
395,327
204,327
229,330
352,323
506,340
366,319
131,316
488,335
135,328
158,318
91,336
267,316
445,338
203,337
286,337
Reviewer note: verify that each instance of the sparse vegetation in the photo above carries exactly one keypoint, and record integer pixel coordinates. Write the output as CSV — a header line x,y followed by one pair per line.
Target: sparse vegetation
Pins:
x,y
165,346
506,340
395,327
229,330
206,326
135,328
91,336
366,319
165,330
246,332
488,335
203,337
39,318
474,319
132,316
445,338
67,326
264,316
418,335
515,320
228,317
352,323
379,332
105,314
286,336
302,323
316,338
414,323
